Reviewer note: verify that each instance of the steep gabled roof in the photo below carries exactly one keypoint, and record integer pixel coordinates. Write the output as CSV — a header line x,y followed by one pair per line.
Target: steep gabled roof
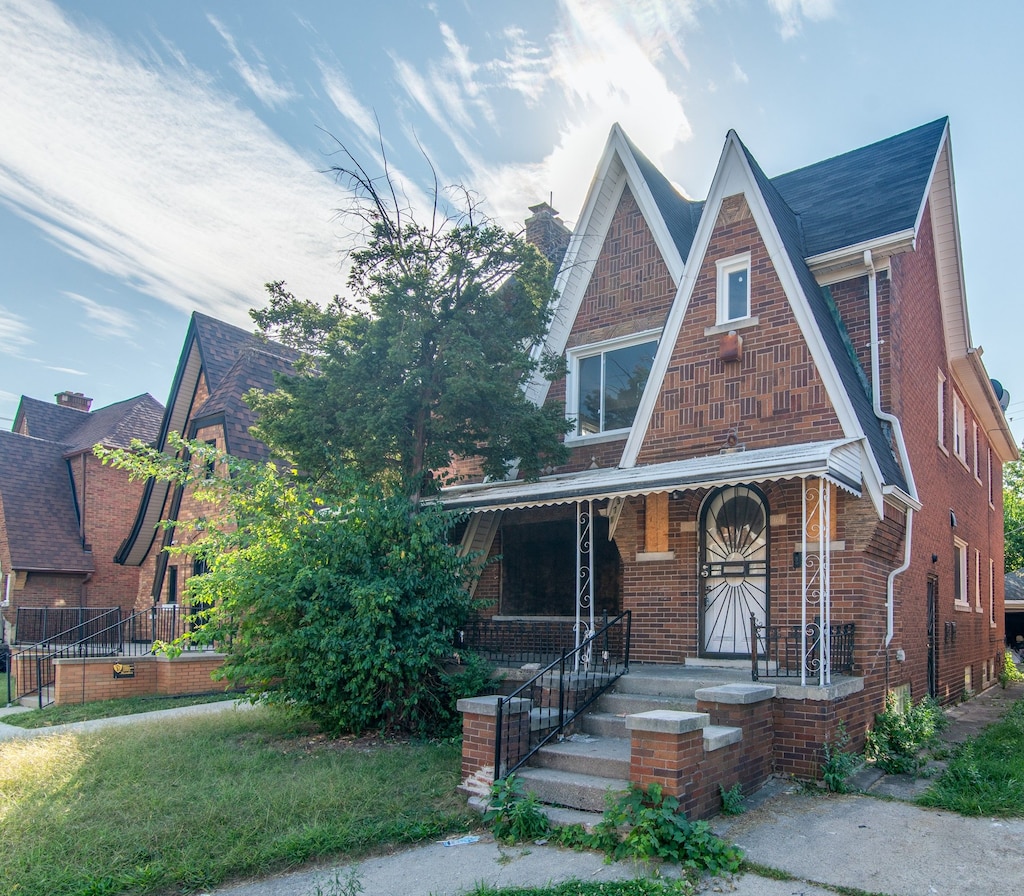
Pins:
x,y
211,352
39,506
117,424
46,420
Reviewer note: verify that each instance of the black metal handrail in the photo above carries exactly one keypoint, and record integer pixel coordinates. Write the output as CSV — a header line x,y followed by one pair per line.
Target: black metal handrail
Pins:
x,y
132,636
33,624
549,702
779,649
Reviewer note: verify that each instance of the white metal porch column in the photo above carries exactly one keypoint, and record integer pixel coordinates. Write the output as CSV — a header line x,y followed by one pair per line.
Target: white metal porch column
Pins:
x,y
584,627
815,629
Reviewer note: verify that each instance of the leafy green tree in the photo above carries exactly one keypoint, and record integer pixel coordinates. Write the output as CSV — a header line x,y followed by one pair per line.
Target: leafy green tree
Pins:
x,y
1013,515
429,359
339,602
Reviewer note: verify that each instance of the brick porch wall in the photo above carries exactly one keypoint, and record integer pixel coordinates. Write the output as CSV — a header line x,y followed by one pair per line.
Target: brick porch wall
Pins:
x,y
93,678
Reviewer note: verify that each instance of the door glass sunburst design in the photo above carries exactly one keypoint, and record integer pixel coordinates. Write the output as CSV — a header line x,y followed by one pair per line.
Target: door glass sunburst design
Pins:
x,y
734,569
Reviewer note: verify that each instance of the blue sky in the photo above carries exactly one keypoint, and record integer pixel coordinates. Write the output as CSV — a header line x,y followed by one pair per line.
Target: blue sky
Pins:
x,y
159,158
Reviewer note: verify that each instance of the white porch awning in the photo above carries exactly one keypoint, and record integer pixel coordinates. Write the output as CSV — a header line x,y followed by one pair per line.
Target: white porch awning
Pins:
x,y
839,461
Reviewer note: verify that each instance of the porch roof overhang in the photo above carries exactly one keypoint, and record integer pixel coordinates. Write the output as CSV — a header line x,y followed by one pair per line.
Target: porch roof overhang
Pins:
x,y
839,461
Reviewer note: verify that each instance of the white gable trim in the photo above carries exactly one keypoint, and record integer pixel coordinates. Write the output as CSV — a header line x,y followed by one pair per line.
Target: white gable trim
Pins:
x,y
617,169
733,176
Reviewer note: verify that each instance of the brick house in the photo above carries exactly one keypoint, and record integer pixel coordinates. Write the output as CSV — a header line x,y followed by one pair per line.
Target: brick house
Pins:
x,y
219,364
784,440
62,513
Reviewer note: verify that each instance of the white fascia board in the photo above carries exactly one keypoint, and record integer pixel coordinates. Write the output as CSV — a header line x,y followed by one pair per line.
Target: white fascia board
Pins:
x,y
970,375
735,176
617,169
848,261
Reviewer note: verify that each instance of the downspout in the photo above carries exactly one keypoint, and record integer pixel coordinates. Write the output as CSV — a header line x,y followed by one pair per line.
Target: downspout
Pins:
x,y
893,421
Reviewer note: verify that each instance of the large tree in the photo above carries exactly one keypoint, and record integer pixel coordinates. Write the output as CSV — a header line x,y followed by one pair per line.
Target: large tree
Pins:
x,y
1013,515
428,360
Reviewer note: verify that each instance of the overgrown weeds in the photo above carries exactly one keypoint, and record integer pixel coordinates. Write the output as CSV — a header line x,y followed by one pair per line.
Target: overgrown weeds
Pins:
x,y
838,764
899,742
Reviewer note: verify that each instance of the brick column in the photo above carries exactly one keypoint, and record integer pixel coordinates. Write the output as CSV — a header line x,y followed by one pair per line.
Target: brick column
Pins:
x,y
667,749
748,707
479,719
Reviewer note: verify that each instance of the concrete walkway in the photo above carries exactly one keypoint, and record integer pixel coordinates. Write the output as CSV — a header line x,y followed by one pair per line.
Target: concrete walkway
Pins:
x,y
821,842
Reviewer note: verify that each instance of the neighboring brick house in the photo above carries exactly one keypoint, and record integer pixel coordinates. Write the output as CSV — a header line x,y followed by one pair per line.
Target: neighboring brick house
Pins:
x,y
778,410
62,512
219,364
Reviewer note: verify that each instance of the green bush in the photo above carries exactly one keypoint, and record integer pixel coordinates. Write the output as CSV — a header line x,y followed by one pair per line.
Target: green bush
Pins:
x,y
838,764
1009,672
900,737
513,816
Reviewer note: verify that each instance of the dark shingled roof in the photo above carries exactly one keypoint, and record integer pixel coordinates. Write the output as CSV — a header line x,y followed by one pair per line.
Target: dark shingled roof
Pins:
x,y
830,328
1014,585
254,369
39,507
849,199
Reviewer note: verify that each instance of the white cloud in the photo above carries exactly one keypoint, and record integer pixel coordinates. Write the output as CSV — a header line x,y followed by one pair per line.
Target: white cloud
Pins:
x,y
14,333
258,79
104,320
792,13
340,93
149,174
738,75
68,370
525,67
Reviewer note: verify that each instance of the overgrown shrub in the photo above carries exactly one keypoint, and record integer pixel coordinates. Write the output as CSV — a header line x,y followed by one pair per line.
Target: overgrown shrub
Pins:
x,y
515,817
900,737
1009,672
838,764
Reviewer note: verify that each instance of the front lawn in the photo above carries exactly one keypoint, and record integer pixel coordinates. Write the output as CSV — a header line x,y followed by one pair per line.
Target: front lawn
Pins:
x,y
49,716
186,805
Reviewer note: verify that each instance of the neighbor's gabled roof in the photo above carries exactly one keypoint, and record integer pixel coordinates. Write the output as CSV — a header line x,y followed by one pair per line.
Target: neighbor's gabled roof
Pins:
x,y
212,351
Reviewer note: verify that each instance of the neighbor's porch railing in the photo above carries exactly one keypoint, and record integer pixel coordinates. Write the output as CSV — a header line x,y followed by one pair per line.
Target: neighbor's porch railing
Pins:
x,y
779,650
560,692
32,668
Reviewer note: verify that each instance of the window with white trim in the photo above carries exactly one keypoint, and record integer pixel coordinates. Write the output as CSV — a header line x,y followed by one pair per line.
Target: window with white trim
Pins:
x,y
977,454
977,580
991,592
607,382
959,429
991,483
733,288
942,410
960,594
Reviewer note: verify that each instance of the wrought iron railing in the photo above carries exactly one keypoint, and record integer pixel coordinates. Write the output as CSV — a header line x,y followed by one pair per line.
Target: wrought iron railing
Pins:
x,y
544,707
516,642
62,625
783,652
32,669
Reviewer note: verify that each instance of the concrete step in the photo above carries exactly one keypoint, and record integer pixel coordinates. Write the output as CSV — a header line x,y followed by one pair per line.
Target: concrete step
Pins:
x,y
603,757
675,681
619,704
602,724
574,791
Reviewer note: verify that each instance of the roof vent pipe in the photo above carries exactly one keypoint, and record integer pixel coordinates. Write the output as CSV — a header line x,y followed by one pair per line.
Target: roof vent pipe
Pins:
x,y
876,399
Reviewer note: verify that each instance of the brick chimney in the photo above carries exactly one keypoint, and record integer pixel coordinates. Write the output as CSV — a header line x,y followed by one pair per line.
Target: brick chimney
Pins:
x,y
74,400
548,233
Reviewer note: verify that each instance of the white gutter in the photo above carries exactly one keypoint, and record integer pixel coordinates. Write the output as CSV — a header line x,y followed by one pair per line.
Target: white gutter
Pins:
x,y
901,446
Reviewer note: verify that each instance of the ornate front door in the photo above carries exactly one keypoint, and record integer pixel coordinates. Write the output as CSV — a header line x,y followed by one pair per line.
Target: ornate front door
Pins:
x,y
733,569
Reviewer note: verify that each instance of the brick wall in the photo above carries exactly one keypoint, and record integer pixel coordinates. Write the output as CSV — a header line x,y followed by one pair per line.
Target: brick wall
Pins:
x,y
85,680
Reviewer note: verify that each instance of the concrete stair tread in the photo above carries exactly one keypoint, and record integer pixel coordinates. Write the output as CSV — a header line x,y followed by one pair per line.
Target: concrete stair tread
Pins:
x,y
584,745
571,789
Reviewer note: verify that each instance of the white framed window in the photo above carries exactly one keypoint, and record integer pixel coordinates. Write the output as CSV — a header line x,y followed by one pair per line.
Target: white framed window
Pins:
x,y
991,593
606,382
977,581
991,483
976,457
959,429
941,395
960,593
733,288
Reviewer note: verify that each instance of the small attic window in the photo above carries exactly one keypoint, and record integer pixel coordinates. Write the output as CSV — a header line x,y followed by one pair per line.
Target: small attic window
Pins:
x,y
733,288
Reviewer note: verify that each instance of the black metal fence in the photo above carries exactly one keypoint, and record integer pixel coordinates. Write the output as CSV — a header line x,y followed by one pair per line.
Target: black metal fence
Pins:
x,y
62,625
516,642
546,705
32,668
783,653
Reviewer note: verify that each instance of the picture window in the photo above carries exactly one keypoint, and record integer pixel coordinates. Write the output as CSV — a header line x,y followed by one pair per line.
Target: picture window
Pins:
x,y
609,386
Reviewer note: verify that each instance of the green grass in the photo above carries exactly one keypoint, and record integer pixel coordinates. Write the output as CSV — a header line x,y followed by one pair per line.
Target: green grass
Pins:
x,y
104,709
183,807
985,776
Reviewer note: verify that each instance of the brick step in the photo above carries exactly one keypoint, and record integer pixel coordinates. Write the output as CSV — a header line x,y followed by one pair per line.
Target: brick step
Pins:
x,y
569,789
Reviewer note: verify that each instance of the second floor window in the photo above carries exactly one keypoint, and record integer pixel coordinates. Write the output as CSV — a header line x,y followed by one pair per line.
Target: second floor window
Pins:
x,y
609,385
733,288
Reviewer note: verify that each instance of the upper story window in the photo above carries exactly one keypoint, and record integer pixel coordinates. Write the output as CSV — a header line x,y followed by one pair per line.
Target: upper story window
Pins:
x,y
976,457
959,429
960,595
941,396
734,288
609,380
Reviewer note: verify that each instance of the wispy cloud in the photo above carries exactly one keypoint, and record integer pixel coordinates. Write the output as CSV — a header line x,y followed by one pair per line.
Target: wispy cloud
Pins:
x,y
149,174
257,77
738,75
341,95
14,333
792,13
524,68
104,320
70,371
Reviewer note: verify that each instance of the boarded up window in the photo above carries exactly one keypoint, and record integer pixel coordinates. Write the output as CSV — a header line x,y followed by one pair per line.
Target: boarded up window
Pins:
x,y
656,528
